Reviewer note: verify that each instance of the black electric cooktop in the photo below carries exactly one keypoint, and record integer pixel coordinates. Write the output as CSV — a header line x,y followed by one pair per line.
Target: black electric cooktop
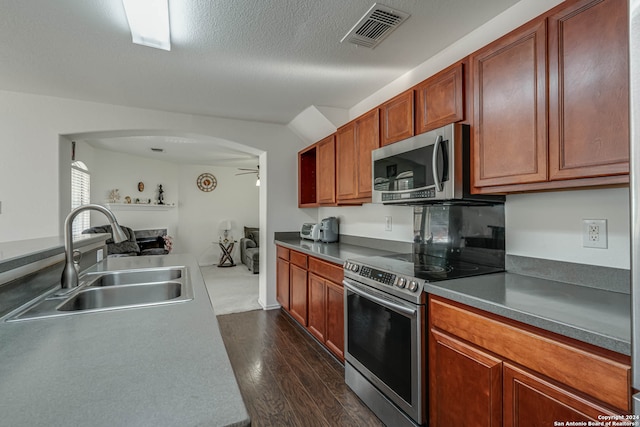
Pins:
x,y
427,267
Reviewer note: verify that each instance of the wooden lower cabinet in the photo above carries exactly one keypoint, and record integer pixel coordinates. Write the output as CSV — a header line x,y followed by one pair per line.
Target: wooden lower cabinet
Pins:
x,y
326,313
282,282
298,295
489,371
310,290
317,307
465,384
335,319
531,401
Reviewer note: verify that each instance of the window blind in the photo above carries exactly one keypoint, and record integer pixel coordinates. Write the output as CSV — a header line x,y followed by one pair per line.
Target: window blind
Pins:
x,y
80,195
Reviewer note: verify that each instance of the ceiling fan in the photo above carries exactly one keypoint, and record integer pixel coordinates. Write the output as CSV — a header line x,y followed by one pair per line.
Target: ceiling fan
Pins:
x,y
250,171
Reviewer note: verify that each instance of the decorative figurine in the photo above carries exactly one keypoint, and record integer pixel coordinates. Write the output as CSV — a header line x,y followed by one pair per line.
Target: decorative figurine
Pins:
x,y
114,196
141,186
160,195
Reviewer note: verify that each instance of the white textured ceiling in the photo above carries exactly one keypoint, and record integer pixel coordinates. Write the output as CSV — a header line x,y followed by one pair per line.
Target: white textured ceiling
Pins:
x,y
264,60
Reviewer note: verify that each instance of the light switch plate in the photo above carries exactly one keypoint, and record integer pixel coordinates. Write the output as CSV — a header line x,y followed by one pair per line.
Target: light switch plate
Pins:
x,y
594,233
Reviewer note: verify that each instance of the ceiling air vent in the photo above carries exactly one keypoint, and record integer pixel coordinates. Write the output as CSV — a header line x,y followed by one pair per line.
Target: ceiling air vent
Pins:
x,y
375,26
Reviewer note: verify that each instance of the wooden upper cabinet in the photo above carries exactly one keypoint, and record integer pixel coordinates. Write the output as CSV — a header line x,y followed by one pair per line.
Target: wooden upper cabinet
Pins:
x,y
396,118
307,177
354,143
440,100
346,162
367,139
326,170
509,88
588,90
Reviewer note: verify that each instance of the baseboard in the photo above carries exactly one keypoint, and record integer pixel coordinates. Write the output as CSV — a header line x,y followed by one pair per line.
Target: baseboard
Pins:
x,y
268,307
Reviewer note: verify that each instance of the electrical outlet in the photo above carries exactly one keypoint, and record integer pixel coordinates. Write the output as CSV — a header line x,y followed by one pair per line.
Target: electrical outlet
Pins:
x,y
387,223
99,255
594,233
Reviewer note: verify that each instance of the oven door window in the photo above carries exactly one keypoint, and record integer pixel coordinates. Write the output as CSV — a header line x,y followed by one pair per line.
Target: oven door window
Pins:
x,y
380,339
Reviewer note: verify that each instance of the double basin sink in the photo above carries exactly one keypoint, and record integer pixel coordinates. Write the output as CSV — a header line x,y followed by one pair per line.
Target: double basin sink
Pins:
x,y
113,290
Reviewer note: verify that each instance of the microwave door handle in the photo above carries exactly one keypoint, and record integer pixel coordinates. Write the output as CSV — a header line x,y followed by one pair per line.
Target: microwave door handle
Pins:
x,y
434,164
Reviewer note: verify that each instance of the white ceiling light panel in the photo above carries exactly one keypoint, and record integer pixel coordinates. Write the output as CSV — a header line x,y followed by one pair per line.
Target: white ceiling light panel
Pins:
x,y
149,22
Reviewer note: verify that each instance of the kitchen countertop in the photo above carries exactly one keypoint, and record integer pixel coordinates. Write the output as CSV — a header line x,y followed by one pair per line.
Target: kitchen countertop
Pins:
x,y
596,316
163,365
337,252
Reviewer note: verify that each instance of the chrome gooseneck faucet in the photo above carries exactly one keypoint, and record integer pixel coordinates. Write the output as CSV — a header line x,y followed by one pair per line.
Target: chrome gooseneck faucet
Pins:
x,y
69,278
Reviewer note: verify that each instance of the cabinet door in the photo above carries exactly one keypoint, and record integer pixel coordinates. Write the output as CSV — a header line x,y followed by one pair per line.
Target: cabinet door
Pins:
x,y
531,401
440,100
367,140
335,319
317,307
589,90
298,296
465,384
282,282
327,170
509,91
396,116
346,162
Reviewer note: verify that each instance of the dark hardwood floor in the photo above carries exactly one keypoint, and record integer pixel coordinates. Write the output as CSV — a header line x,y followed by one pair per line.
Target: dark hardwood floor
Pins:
x,y
285,377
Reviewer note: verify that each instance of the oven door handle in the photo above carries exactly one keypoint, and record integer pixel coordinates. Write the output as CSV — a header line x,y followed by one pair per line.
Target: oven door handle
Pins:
x,y
388,304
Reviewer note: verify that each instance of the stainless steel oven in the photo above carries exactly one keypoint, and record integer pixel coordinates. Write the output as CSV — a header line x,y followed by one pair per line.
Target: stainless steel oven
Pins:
x,y
385,351
386,336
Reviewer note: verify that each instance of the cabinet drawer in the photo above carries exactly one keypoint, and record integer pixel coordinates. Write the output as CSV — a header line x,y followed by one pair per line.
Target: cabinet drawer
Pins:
x,y
283,253
556,357
327,270
298,259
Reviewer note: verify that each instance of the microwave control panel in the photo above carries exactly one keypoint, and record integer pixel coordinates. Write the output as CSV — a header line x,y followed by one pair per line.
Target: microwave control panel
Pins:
x,y
429,193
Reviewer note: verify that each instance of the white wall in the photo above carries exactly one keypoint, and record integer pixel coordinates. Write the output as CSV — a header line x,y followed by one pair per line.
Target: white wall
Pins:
x,y
33,127
549,225
201,213
369,221
111,170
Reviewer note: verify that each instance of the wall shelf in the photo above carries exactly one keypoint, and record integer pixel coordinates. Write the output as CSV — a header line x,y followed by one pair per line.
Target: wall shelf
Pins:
x,y
138,207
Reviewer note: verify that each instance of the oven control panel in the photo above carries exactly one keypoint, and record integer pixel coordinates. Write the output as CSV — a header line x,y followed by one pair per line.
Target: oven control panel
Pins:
x,y
384,277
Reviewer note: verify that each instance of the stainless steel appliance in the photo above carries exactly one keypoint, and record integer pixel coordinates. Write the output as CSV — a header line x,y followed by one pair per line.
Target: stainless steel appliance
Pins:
x,y
310,231
329,230
428,168
634,111
385,305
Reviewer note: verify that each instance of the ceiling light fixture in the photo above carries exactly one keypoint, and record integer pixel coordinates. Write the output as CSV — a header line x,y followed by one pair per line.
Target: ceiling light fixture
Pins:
x,y
149,22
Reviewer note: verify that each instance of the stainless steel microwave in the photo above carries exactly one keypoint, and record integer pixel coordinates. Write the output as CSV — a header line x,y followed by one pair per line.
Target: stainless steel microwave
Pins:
x,y
433,167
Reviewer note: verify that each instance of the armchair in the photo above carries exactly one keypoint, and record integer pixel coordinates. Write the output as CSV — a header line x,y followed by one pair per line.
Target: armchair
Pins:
x,y
250,249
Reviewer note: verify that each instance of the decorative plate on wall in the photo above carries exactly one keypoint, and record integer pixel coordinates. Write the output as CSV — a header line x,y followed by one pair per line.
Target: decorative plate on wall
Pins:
x,y
207,182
